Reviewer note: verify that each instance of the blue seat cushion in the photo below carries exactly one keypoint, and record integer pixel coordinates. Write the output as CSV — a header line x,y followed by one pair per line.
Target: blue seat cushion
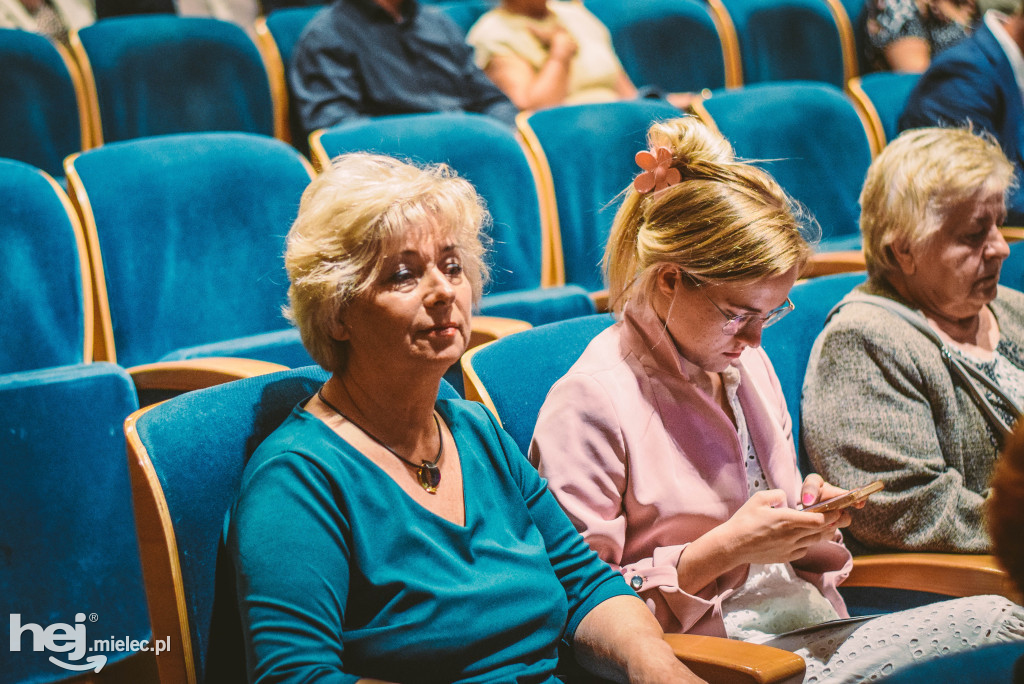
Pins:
x,y
283,347
68,543
541,305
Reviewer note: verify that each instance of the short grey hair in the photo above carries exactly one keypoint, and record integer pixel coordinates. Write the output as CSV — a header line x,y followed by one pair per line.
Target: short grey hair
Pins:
x,y
916,179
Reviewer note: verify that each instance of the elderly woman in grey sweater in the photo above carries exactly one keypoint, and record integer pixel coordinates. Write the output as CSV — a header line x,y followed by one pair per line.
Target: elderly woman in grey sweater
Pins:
x,y
879,399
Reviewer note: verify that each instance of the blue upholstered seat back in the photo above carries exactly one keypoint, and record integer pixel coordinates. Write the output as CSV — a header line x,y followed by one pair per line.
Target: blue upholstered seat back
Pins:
x,y
191,231
43,279
647,38
484,152
787,40
198,444
39,118
463,12
159,74
517,371
888,92
1012,274
286,26
539,305
68,535
818,148
788,343
590,151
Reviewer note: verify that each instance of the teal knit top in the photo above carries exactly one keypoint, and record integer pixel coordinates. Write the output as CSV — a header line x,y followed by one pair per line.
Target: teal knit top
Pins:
x,y
342,575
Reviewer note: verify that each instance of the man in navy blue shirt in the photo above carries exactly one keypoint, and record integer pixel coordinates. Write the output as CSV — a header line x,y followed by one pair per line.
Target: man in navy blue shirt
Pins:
x,y
360,58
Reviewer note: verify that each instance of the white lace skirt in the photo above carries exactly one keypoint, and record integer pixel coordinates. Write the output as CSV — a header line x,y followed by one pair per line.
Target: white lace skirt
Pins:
x,y
867,651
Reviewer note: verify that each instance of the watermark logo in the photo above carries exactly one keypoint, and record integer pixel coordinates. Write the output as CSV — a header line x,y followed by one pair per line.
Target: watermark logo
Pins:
x,y
60,638
71,640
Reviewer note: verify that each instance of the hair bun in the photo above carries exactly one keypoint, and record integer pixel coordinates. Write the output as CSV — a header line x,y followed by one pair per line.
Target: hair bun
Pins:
x,y
692,144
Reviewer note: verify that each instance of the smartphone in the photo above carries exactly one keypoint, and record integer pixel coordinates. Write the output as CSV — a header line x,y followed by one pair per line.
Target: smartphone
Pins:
x,y
844,500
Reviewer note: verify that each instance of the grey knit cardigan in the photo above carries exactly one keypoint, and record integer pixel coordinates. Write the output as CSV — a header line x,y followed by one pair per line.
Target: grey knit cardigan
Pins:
x,y
879,403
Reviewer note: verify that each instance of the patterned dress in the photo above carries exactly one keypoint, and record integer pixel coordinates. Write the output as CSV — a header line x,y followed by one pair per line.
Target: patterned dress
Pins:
x,y
931,20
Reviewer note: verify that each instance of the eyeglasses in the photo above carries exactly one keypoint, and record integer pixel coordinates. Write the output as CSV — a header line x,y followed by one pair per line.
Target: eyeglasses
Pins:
x,y
736,322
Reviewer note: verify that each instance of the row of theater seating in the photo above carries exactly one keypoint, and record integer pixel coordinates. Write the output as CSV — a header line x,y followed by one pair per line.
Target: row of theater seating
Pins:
x,y
177,240
70,489
148,75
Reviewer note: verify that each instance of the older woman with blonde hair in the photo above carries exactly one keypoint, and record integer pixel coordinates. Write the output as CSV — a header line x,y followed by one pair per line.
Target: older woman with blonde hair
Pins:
x,y
669,443
384,534
916,379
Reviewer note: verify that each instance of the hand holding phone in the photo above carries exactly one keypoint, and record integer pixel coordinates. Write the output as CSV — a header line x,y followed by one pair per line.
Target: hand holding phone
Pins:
x,y
854,496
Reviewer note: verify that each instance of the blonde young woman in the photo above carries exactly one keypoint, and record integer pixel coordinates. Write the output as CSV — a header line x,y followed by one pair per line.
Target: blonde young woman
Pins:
x,y
381,533
669,443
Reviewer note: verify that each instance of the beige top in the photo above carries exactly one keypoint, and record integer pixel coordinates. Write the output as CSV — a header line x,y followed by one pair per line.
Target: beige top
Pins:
x,y
241,12
74,14
595,68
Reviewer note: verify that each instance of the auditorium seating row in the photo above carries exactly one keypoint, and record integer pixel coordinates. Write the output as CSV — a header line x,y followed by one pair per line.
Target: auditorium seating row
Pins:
x,y
173,248
177,239
134,76
68,486
70,489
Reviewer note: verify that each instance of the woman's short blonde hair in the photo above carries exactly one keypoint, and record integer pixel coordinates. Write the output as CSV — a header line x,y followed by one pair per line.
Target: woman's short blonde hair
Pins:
x,y
725,221
349,217
914,182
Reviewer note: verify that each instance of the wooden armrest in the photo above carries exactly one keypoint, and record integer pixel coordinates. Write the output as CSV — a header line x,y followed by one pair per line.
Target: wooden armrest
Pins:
x,y
726,661
192,374
1012,234
490,328
828,263
600,300
950,574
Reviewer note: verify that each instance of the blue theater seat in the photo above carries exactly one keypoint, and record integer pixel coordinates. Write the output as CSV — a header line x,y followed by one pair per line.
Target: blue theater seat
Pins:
x,y
646,38
486,153
794,40
788,343
881,97
68,542
1012,273
794,130
547,351
584,157
186,234
46,312
161,73
43,110
186,458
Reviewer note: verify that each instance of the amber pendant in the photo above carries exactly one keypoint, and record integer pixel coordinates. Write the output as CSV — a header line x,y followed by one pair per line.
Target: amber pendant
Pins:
x,y
429,476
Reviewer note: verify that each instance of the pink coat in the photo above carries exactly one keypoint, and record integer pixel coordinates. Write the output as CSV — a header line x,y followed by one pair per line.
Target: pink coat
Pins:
x,y
644,462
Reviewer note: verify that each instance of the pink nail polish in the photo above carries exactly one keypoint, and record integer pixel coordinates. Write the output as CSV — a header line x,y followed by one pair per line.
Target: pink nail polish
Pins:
x,y
808,499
